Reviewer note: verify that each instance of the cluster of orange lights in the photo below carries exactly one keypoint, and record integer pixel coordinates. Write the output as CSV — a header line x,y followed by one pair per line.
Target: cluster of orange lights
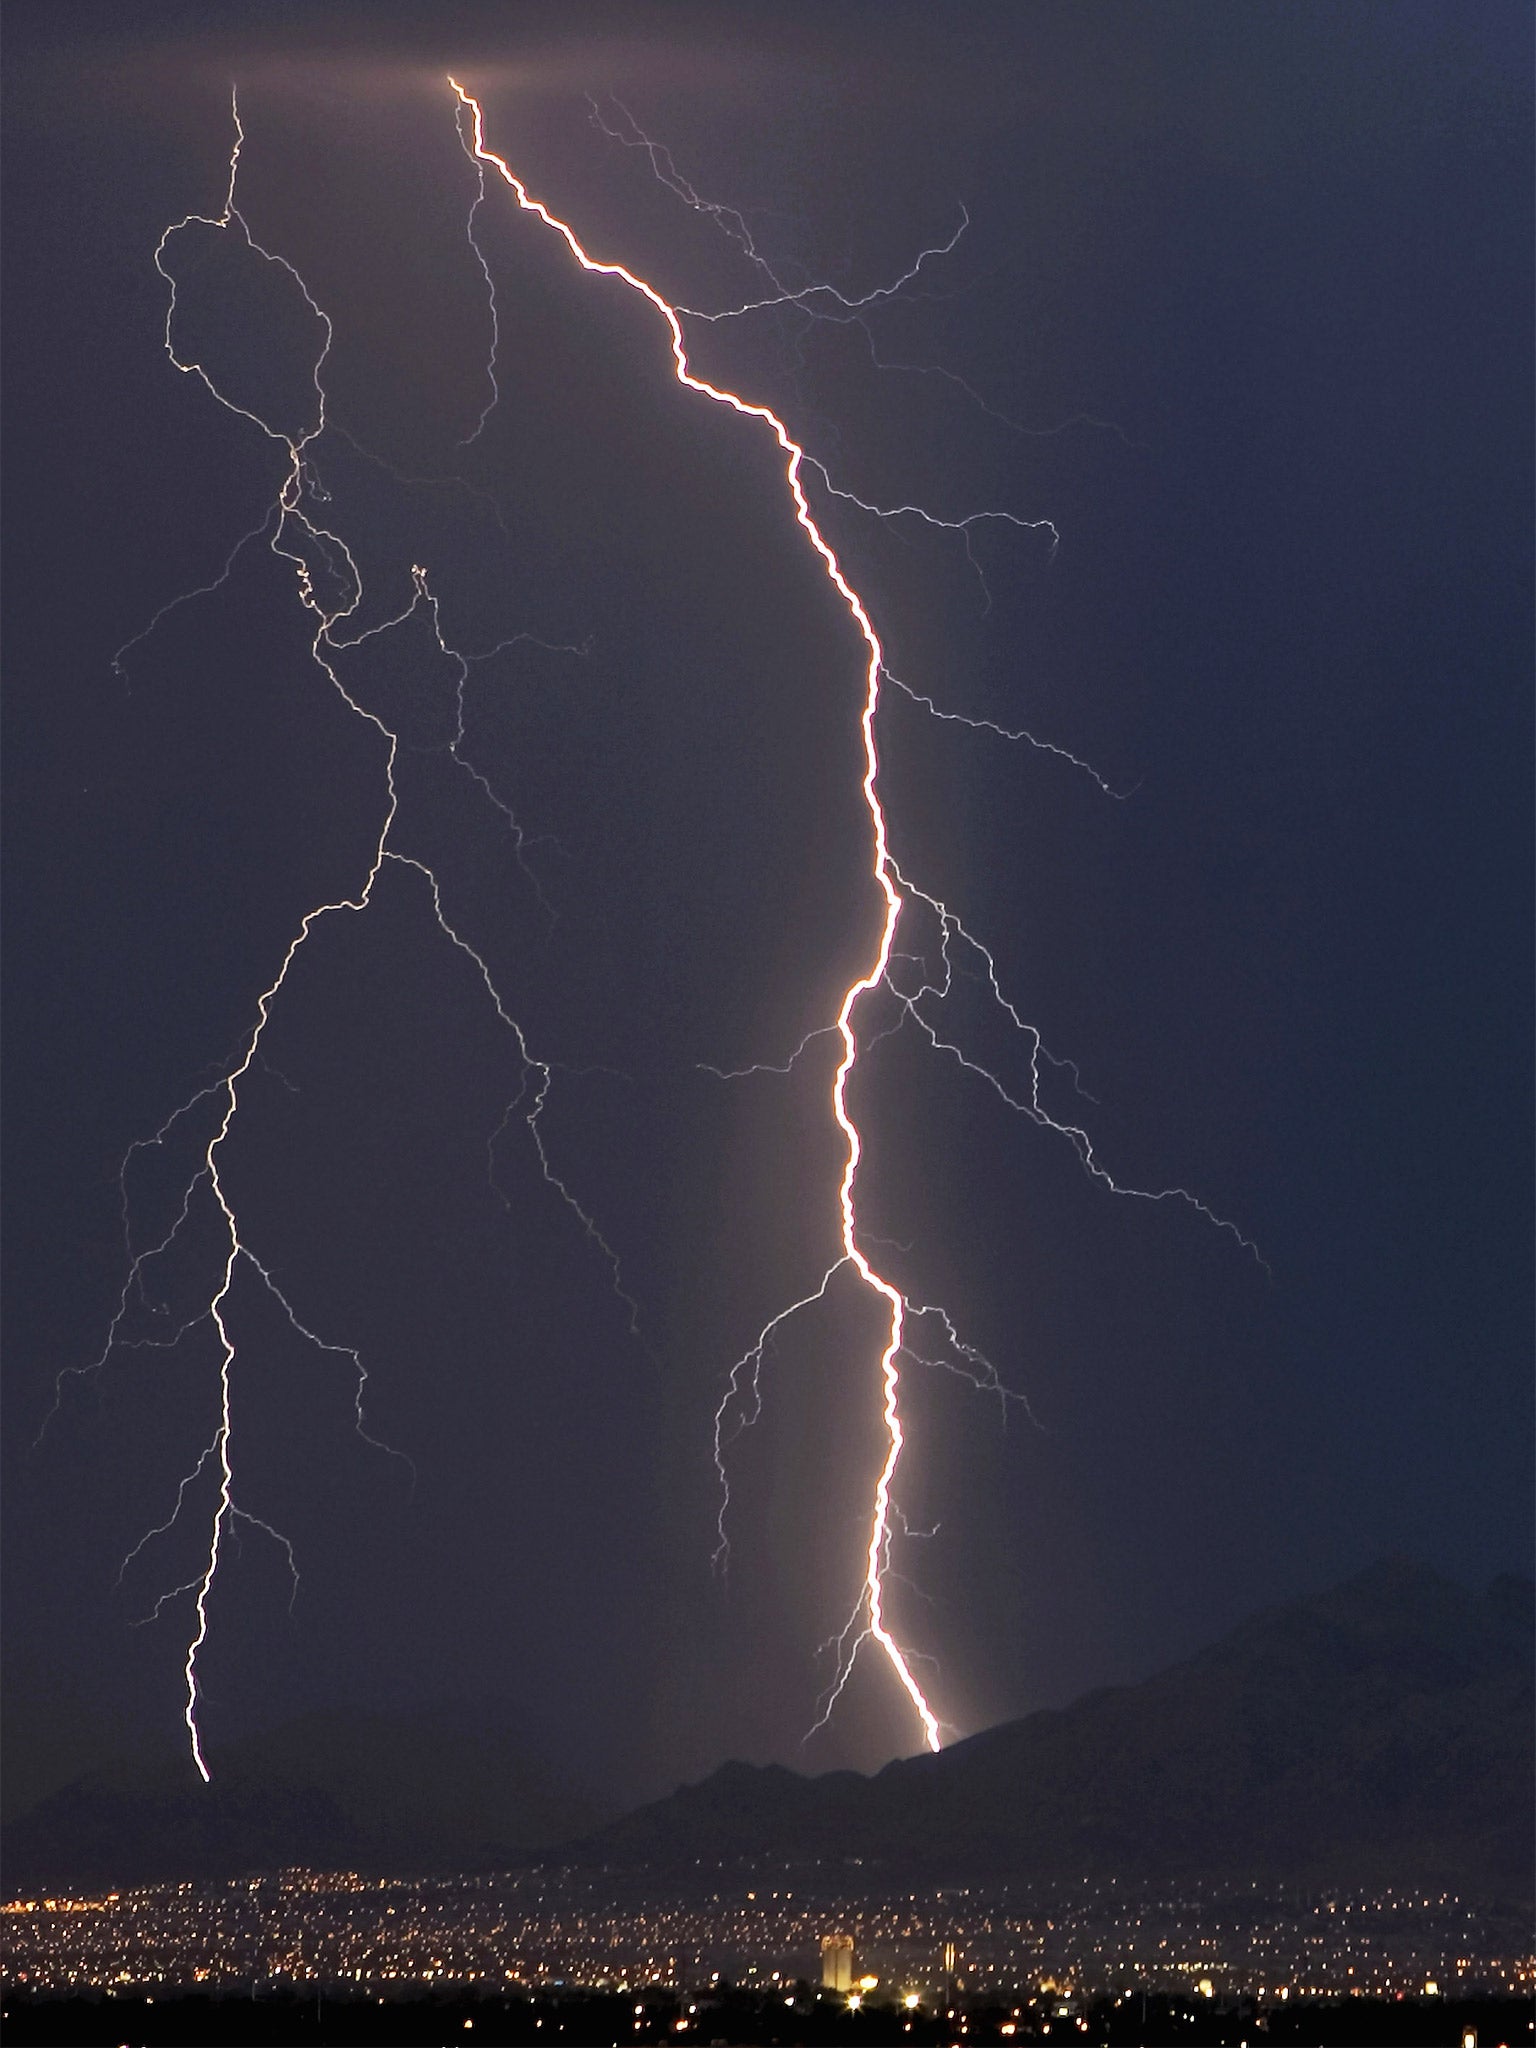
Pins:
x,y
60,1905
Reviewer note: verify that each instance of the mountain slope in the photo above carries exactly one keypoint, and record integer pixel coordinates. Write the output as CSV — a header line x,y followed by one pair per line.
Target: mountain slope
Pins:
x,y
1380,1734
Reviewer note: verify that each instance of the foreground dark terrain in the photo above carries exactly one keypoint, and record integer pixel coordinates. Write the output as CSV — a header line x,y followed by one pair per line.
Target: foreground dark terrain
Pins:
x,y
733,2017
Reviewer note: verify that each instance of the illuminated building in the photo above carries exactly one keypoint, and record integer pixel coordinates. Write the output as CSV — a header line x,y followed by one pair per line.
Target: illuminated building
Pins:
x,y
837,1962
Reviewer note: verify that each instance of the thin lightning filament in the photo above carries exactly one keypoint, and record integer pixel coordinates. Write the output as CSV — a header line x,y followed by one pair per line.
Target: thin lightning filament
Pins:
x,y
884,876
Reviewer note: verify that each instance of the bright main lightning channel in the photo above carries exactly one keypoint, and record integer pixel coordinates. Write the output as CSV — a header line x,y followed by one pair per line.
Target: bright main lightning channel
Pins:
x,y
884,876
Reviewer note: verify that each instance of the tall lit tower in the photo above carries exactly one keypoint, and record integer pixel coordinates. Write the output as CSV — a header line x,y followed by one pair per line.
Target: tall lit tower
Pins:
x,y
837,1962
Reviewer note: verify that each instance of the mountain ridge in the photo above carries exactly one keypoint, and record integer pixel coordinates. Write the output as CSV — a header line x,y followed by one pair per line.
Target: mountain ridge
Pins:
x,y
1378,1733
438,1788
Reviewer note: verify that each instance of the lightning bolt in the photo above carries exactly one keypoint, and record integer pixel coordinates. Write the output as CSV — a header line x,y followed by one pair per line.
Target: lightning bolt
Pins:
x,y
883,870
742,1397
321,562
741,1401
820,301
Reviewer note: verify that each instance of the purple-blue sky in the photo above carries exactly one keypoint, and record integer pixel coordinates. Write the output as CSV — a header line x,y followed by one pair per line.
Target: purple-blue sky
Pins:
x,y
1246,295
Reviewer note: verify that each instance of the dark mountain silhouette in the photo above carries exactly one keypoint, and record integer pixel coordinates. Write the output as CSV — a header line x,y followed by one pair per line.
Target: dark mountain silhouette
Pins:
x,y
438,1789
1380,1734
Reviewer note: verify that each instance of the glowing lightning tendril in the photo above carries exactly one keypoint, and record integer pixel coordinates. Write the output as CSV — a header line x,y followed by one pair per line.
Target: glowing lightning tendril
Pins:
x,y
883,874
741,1400
317,556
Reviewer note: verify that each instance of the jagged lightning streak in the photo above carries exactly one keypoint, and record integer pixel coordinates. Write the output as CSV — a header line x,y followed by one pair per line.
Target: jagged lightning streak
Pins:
x,y
873,1602
741,1400
810,299
317,556
747,1373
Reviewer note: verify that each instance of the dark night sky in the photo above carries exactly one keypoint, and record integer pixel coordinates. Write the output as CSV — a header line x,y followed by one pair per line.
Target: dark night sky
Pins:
x,y
1285,252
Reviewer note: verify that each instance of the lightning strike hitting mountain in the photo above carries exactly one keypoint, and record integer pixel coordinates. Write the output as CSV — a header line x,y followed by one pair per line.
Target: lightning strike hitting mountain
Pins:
x,y
869,1621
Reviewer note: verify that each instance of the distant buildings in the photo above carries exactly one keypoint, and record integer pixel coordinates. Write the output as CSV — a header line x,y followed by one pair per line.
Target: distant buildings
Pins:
x,y
837,1962
516,1931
